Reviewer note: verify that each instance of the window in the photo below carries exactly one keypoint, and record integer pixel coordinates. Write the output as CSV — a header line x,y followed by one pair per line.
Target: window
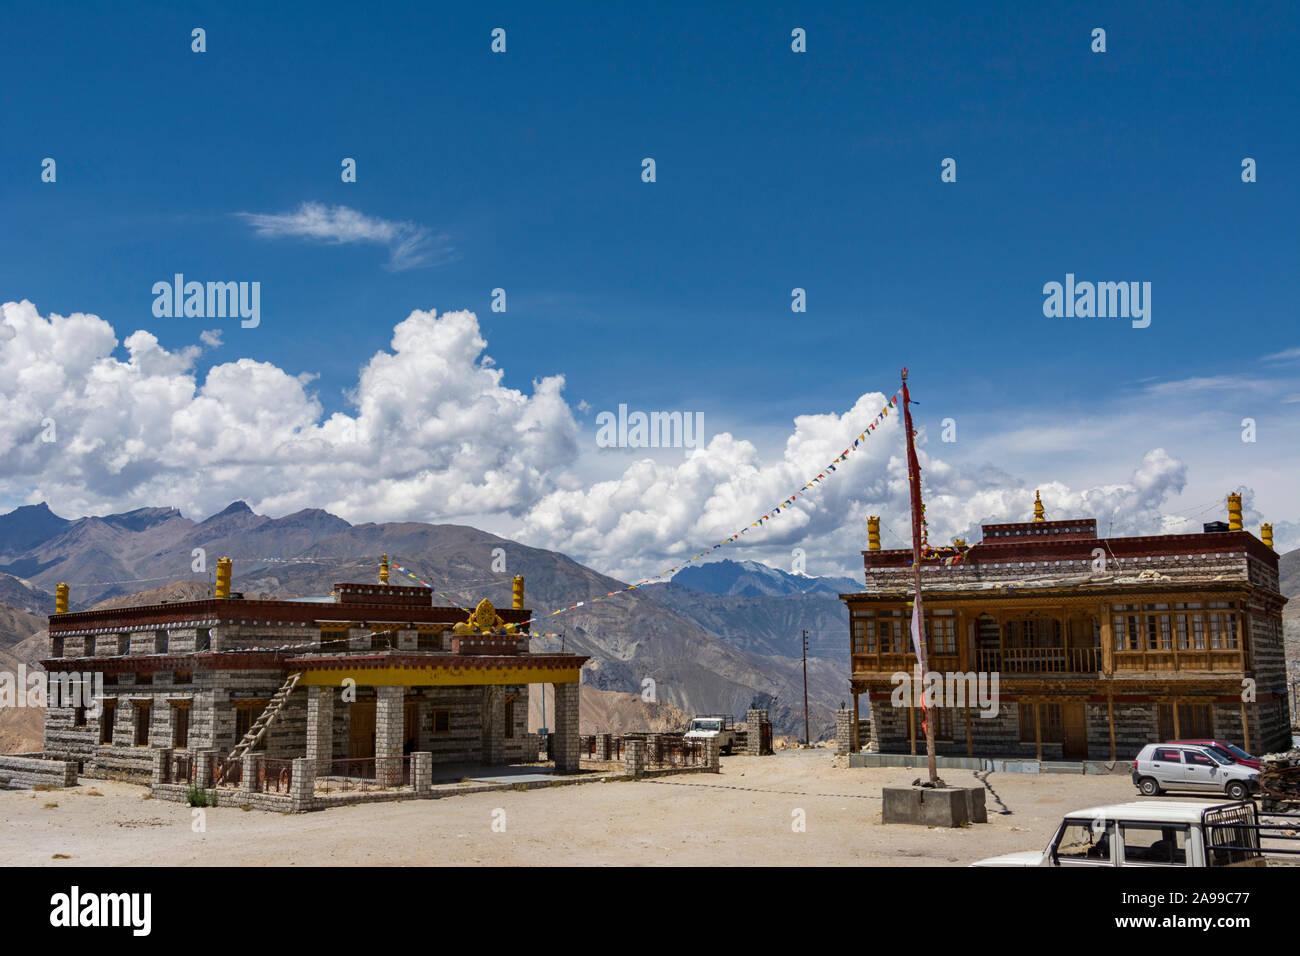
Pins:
x,y
1159,628
441,721
943,635
183,677
1198,759
202,639
1081,843
56,646
1195,722
1127,628
1168,755
142,723
886,635
1151,844
106,715
160,641
180,725
88,649
79,716
860,645
142,679
1053,728
428,641
942,717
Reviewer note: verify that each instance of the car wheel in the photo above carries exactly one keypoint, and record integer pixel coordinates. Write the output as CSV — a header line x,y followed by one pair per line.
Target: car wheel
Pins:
x,y
1238,790
1149,787
726,751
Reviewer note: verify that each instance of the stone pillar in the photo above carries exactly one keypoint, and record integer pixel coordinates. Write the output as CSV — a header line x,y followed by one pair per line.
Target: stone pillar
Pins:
x,y
162,766
494,732
389,720
653,751
634,757
712,755
843,730
422,771
602,746
565,747
303,788
358,639
320,727
756,720
248,782
203,768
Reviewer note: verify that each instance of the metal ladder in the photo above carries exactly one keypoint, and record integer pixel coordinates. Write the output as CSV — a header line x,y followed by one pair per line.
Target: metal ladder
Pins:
x,y
259,728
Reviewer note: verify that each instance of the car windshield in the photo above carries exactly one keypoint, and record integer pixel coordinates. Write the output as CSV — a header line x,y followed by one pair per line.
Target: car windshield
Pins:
x,y
706,725
1238,752
1216,756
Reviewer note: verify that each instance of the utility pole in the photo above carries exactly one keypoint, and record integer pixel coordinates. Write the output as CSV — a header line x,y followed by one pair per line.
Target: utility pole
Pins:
x,y
807,739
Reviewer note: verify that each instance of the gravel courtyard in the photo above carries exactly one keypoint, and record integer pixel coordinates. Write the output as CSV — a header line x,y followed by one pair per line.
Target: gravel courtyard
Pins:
x,y
745,815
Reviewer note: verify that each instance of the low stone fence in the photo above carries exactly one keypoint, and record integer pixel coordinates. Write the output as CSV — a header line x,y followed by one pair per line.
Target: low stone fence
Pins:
x,y
20,771
656,755
668,752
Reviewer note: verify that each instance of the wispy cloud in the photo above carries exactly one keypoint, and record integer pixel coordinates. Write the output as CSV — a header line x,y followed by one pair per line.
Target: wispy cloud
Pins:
x,y
1286,355
1209,383
410,245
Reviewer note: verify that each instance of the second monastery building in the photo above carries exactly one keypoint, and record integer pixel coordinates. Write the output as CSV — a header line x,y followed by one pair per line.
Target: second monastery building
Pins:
x,y
1100,645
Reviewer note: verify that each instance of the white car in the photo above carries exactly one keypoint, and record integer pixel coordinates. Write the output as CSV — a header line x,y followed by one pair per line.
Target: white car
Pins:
x,y
1161,767
1150,833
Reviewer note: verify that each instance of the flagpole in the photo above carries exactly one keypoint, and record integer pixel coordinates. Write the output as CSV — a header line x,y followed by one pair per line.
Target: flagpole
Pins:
x,y
919,638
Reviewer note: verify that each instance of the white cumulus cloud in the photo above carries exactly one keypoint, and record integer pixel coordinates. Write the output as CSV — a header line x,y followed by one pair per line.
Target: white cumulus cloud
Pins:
x,y
436,433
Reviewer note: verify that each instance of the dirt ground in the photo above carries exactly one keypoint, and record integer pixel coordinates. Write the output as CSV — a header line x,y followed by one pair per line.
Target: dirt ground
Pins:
x,y
742,816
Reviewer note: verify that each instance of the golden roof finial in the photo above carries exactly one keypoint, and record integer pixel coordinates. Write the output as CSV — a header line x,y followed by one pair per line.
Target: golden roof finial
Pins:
x,y
873,533
383,570
1234,511
1038,507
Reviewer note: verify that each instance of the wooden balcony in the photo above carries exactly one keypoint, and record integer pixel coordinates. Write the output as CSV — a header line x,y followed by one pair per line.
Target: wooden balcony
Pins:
x,y
893,663
1041,660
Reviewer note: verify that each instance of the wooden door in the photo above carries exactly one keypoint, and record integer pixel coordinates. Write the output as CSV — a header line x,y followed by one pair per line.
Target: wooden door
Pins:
x,y
1074,726
410,726
361,729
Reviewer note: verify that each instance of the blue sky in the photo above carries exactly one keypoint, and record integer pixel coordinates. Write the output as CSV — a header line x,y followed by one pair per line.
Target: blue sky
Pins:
x,y
775,170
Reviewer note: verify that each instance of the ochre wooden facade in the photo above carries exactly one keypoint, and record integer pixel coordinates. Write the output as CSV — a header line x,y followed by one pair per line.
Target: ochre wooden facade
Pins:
x,y
1098,646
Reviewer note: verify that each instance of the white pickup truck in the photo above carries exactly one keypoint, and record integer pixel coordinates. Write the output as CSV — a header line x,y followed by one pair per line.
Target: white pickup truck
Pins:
x,y
719,727
1150,833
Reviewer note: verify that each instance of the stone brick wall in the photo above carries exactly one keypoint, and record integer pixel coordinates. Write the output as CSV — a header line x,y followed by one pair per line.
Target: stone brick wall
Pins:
x,y
30,771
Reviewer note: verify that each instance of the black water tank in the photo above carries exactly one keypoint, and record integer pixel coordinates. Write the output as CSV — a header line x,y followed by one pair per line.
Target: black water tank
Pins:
x,y
1214,526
